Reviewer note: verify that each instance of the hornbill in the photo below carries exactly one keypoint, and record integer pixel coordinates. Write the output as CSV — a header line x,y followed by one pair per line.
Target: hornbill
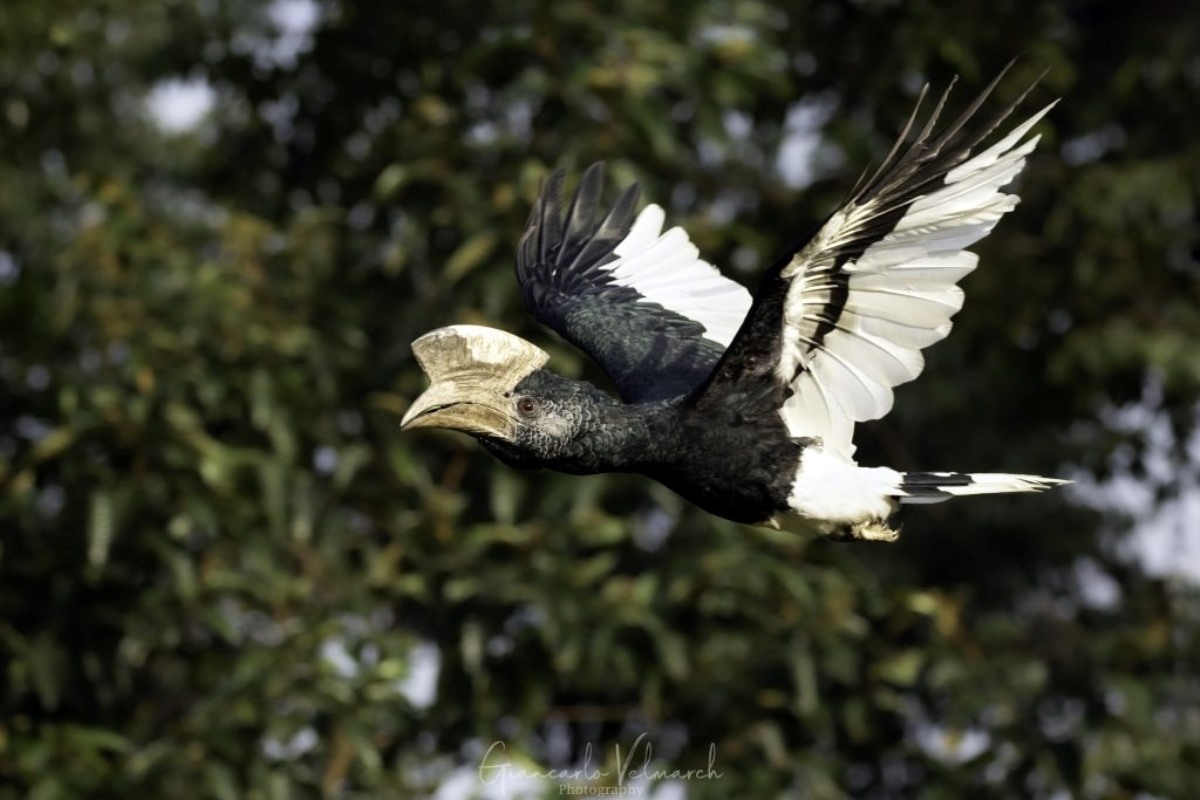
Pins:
x,y
744,406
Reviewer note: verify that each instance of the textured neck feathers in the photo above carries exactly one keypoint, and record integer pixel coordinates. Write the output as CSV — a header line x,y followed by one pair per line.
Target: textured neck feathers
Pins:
x,y
628,438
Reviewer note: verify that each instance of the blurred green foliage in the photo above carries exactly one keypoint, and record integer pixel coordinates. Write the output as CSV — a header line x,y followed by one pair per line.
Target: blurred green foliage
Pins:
x,y
223,571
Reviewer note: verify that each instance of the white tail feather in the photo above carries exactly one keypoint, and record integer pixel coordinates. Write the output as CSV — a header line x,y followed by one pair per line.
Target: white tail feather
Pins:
x,y
934,487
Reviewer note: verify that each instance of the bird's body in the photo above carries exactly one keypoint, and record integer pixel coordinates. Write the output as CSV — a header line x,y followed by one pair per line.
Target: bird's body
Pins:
x,y
669,441
743,406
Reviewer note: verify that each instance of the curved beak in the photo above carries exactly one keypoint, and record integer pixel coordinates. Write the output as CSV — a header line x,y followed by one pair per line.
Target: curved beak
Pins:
x,y
470,407
473,371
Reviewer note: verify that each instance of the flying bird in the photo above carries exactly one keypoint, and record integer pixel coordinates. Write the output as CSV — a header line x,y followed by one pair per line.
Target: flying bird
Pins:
x,y
743,405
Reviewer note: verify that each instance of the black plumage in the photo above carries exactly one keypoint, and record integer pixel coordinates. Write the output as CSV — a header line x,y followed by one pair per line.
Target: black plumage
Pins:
x,y
744,406
899,180
574,427
650,352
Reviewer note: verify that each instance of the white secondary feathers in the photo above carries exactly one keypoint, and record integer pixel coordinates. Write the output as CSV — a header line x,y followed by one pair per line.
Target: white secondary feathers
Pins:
x,y
846,344
666,268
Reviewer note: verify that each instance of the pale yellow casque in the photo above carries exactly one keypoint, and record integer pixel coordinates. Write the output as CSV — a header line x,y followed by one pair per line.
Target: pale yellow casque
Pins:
x,y
472,371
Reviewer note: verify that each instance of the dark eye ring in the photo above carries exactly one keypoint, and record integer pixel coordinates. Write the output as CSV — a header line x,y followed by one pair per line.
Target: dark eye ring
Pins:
x,y
527,405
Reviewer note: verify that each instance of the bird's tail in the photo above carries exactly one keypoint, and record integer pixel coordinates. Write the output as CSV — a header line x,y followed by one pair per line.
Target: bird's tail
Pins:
x,y
934,487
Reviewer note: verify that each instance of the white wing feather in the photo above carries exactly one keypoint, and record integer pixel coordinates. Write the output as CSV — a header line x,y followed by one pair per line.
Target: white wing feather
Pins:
x,y
666,268
901,295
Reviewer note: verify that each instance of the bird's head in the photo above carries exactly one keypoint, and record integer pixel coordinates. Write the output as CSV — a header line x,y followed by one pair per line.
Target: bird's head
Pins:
x,y
491,384
473,373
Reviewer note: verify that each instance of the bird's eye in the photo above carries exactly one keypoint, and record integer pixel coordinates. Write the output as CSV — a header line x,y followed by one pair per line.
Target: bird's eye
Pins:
x,y
527,405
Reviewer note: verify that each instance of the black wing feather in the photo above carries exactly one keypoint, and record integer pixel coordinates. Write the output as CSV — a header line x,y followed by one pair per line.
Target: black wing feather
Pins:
x,y
650,352
750,375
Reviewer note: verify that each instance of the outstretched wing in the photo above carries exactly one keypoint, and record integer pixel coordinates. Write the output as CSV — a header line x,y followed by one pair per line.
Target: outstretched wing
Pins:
x,y
637,300
844,320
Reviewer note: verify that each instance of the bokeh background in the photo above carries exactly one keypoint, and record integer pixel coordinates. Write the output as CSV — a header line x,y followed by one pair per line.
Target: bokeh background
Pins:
x,y
224,573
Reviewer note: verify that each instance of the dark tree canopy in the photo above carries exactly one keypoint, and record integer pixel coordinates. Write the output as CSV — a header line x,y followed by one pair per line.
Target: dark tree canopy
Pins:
x,y
224,573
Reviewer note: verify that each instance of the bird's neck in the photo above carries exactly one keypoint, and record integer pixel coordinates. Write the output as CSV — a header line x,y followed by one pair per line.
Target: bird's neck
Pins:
x,y
627,438
593,432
